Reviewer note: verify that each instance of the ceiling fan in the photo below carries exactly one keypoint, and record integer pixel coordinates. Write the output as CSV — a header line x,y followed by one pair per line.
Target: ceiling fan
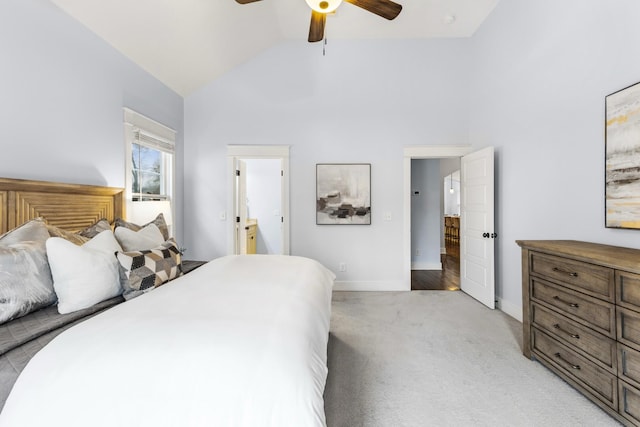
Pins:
x,y
320,8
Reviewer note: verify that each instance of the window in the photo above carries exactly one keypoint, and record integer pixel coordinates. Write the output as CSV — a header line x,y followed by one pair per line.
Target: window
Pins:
x,y
150,166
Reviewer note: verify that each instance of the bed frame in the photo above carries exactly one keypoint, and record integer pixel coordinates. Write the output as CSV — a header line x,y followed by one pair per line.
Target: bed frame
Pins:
x,y
71,207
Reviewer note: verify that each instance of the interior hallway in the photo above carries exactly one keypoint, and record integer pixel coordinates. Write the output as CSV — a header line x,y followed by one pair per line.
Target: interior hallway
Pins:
x,y
447,279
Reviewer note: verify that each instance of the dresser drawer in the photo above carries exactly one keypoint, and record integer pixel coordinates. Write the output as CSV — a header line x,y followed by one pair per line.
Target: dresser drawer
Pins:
x,y
629,327
592,312
591,343
592,279
629,364
628,290
588,375
629,402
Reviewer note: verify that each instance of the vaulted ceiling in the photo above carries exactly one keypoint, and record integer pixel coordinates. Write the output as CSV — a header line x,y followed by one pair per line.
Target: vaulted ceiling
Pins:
x,y
188,43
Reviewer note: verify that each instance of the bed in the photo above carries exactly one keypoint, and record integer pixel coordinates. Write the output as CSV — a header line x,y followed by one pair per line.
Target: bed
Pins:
x,y
240,341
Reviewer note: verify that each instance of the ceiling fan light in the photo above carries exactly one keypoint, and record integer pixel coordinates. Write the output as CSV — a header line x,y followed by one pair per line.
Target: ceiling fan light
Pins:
x,y
324,6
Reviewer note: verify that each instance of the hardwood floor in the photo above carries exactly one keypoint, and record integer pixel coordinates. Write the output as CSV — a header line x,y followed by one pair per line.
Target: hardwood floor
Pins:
x,y
446,280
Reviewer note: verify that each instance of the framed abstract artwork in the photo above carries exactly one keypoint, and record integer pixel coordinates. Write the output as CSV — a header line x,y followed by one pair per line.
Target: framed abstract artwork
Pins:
x,y
622,163
343,193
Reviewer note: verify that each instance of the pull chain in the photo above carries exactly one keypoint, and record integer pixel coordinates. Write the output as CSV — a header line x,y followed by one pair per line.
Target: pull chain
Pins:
x,y
324,46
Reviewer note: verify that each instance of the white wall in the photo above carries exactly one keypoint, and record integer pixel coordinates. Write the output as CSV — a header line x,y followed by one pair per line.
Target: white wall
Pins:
x,y
62,90
541,71
264,202
426,214
531,82
362,103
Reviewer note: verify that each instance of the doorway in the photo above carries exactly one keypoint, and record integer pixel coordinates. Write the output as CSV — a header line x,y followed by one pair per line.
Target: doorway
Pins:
x,y
477,235
259,199
435,224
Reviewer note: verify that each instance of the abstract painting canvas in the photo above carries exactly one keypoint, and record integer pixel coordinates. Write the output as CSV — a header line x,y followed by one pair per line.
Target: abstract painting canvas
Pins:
x,y
343,193
622,170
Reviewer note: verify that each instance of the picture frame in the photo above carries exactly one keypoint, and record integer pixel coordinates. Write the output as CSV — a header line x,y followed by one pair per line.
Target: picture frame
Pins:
x,y
343,194
622,158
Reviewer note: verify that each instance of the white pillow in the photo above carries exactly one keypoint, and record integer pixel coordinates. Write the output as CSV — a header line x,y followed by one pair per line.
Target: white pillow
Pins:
x,y
84,275
148,237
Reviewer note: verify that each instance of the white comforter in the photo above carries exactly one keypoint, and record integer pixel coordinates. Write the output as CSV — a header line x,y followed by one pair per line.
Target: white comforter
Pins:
x,y
241,341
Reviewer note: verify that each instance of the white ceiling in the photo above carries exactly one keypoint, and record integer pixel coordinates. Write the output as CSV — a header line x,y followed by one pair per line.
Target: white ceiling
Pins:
x,y
188,43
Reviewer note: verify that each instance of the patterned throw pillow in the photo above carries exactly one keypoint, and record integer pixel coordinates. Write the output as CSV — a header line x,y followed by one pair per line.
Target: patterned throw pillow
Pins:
x,y
146,270
25,277
159,222
83,236
95,229
67,235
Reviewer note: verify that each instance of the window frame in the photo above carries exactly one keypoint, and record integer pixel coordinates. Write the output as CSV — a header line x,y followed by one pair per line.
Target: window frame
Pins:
x,y
146,132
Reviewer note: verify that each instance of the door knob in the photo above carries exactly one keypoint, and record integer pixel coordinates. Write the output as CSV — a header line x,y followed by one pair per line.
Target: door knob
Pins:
x,y
485,235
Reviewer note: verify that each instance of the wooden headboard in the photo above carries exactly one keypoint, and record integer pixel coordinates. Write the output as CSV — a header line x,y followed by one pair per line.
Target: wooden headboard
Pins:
x,y
72,207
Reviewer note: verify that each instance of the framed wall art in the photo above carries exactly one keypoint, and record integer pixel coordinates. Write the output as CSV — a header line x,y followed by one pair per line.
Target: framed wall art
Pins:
x,y
343,193
622,163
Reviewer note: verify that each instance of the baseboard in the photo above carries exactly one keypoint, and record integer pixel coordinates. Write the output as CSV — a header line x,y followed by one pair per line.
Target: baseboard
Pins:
x,y
426,265
512,310
369,286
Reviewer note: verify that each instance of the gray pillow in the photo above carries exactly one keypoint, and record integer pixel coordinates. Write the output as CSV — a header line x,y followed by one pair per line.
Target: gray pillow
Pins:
x,y
159,221
25,277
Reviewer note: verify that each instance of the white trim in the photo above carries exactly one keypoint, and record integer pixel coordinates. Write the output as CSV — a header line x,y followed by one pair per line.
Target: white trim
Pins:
x,y
235,152
421,265
420,152
137,120
368,286
436,151
258,151
510,309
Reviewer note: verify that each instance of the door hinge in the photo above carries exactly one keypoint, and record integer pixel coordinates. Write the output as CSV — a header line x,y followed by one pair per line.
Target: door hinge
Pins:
x,y
237,172
281,219
281,173
238,219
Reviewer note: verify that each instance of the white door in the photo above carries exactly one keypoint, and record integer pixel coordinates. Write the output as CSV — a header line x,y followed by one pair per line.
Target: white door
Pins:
x,y
477,233
241,208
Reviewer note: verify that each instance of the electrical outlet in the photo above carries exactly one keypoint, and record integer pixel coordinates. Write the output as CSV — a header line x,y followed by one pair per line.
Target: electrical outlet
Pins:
x,y
387,216
343,267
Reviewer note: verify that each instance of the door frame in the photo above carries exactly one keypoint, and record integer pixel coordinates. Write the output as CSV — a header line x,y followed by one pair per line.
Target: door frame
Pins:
x,y
243,152
421,152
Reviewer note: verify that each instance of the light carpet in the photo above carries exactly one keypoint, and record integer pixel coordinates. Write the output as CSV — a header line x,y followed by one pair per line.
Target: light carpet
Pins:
x,y
437,358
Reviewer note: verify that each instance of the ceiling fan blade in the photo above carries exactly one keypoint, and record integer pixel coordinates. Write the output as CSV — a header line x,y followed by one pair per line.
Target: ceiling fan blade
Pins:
x,y
316,29
246,1
385,8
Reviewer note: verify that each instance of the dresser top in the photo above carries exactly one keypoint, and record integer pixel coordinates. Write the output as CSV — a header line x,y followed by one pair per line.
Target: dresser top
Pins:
x,y
610,256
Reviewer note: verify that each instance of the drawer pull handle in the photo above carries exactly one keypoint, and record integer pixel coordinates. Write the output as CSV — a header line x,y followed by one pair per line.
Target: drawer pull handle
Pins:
x,y
576,336
570,273
559,356
570,304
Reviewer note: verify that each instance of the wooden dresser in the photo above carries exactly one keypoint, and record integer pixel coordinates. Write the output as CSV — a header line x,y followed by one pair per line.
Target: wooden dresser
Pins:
x,y
581,319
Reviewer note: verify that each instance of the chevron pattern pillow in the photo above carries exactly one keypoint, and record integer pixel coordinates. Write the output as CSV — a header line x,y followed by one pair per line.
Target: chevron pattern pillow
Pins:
x,y
146,270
